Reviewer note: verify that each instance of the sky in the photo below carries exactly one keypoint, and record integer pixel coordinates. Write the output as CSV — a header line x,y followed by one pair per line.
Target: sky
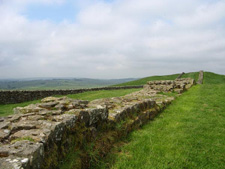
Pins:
x,y
110,38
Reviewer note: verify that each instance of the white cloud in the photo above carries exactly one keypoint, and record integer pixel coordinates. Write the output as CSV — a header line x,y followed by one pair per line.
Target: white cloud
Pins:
x,y
125,38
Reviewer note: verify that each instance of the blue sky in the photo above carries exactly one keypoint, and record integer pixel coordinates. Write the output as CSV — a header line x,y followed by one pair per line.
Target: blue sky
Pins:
x,y
110,39
52,12
55,12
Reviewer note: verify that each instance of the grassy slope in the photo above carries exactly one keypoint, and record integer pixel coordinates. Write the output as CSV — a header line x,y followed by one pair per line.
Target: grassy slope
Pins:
x,y
8,108
188,134
143,81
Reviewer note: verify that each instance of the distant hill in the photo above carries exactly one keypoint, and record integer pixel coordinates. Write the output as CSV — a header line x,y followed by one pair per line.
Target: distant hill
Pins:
x,y
59,83
143,81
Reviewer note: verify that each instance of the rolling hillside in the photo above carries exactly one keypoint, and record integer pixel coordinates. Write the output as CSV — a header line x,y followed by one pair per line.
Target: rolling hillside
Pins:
x,y
50,84
143,81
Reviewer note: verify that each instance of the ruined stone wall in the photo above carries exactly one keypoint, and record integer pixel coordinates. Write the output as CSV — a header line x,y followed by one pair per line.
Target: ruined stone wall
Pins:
x,y
18,96
180,75
40,135
200,77
178,85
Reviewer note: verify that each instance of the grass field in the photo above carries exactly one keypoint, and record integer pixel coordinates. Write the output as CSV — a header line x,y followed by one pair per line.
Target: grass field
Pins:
x,y
190,133
7,109
101,94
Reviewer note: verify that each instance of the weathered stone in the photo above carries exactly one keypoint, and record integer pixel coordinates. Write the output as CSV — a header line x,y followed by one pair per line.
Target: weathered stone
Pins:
x,y
4,154
4,134
33,134
115,117
28,109
48,105
60,107
15,118
168,85
49,99
13,162
24,125
24,152
2,119
200,78
57,112
36,117
93,115
179,91
4,125
97,115
79,104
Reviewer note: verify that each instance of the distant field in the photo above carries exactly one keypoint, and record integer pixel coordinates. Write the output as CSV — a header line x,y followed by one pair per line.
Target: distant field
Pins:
x,y
50,84
8,108
187,134
143,81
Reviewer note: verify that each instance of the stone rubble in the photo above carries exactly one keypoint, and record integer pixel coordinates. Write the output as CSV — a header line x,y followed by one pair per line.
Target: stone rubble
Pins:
x,y
26,136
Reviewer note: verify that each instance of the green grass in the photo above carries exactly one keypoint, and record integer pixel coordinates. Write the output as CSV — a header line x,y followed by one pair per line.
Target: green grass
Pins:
x,y
7,109
193,75
101,94
23,138
188,134
143,81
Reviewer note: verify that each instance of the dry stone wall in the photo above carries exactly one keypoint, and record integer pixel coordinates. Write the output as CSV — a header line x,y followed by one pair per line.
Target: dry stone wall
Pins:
x,y
200,77
178,85
40,135
18,96
180,75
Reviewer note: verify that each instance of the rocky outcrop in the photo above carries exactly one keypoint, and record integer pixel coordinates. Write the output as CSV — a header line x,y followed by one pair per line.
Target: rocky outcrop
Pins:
x,y
40,135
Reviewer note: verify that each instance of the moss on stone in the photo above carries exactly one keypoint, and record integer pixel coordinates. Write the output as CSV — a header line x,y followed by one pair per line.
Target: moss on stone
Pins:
x,y
23,138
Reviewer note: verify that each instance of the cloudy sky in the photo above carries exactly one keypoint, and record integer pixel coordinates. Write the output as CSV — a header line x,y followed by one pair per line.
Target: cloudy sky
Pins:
x,y
110,38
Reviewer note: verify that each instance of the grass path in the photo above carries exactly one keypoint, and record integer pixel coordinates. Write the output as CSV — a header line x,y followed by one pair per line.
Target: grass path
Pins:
x,y
190,133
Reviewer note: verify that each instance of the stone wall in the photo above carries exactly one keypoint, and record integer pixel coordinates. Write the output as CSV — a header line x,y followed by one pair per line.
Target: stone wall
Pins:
x,y
180,75
40,135
178,85
200,77
18,96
